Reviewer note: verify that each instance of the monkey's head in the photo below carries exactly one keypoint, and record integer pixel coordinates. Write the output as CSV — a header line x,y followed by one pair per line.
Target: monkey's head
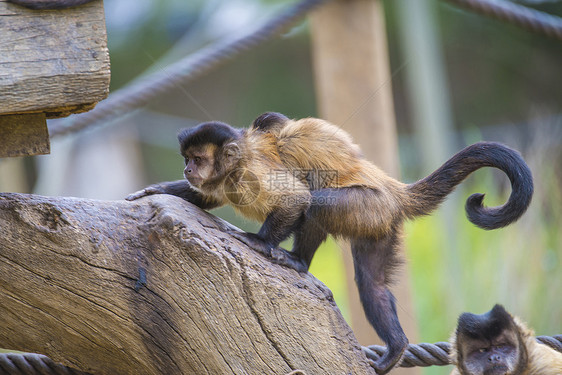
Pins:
x,y
489,344
270,122
211,151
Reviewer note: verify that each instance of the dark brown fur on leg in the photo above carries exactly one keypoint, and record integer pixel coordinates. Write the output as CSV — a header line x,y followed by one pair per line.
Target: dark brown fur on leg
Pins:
x,y
308,237
374,261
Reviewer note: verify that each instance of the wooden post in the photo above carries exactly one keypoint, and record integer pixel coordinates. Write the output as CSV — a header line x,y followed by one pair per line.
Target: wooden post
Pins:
x,y
53,63
353,84
25,134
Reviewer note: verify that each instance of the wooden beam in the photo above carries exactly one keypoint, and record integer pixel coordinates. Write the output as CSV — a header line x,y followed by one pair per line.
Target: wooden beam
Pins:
x,y
54,62
22,135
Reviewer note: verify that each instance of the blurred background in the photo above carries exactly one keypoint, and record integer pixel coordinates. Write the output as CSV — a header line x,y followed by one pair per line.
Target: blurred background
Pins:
x,y
471,77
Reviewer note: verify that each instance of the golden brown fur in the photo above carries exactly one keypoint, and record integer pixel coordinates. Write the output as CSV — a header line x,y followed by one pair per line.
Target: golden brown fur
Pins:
x,y
261,159
543,360
248,186
314,144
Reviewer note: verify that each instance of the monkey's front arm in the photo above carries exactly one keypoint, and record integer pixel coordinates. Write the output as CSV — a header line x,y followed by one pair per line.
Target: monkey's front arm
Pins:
x,y
179,188
277,227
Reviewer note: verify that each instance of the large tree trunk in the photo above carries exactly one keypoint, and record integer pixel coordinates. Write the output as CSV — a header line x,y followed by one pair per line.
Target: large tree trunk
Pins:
x,y
158,286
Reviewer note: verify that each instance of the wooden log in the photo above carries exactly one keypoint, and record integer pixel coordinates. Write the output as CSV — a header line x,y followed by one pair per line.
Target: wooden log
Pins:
x,y
54,62
158,286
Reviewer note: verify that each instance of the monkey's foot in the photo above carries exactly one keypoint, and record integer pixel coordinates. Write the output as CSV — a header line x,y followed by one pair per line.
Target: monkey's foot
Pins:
x,y
276,254
389,360
288,259
253,241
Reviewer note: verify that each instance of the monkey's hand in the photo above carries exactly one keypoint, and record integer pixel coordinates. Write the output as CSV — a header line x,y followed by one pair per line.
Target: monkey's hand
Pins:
x,y
276,254
149,190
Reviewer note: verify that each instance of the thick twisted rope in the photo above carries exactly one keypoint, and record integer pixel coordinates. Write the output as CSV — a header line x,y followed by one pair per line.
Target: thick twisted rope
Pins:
x,y
424,355
519,15
143,91
421,355
31,364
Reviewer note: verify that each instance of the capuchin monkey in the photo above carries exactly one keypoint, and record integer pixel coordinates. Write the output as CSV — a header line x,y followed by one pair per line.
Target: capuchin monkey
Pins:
x,y
307,178
49,4
496,343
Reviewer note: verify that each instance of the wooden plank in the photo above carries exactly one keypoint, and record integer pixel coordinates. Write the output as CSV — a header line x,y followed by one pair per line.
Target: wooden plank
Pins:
x,y
354,91
55,62
22,135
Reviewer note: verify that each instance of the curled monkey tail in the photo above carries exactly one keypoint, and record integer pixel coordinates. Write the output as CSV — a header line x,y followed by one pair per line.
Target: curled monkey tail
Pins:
x,y
426,194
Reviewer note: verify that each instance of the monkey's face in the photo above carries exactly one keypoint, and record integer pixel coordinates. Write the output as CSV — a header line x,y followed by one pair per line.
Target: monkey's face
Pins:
x,y
199,164
207,165
211,152
483,357
490,344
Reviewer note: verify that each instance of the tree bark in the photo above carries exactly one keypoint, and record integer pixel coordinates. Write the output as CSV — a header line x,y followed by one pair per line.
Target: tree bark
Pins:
x,y
158,286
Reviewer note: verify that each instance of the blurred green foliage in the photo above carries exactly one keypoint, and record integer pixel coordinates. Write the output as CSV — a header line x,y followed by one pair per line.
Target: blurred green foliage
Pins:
x,y
328,268
518,266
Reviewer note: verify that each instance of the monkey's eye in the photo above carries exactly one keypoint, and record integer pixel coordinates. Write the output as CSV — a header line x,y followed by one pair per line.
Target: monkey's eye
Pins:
x,y
482,350
197,159
186,160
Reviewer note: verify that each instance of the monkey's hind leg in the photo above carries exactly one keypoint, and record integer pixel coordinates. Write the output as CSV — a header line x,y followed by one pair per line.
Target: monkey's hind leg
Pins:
x,y
278,226
374,261
308,238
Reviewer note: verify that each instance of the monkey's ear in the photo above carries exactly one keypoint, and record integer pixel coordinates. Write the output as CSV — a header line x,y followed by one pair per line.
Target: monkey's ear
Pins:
x,y
232,153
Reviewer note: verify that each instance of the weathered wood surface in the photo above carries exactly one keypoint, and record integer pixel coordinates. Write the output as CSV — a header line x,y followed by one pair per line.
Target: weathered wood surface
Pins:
x,y
23,135
158,286
55,62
